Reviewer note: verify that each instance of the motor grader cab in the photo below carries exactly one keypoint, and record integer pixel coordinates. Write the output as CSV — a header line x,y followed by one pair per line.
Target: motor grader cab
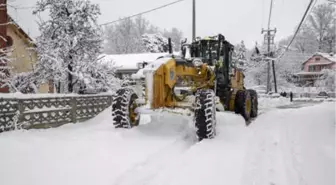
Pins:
x,y
202,78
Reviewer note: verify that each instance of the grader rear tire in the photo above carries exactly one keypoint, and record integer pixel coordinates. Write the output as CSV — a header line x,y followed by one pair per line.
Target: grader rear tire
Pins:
x,y
123,109
205,114
243,104
254,101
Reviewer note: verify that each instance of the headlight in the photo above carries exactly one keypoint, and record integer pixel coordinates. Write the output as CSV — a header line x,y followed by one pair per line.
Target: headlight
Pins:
x,y
197,62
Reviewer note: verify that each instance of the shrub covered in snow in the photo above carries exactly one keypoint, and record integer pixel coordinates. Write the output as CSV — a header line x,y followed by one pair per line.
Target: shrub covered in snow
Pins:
x,y
23,82
155,43
327,80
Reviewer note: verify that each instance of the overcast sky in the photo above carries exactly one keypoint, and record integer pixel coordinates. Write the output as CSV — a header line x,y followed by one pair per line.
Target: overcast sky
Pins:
x,y
236,19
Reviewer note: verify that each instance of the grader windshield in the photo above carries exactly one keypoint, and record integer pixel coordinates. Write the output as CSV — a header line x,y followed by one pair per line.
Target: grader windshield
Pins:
x,y
207,49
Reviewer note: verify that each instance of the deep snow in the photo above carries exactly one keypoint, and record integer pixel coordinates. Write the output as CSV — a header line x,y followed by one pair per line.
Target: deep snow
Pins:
x,y
281,147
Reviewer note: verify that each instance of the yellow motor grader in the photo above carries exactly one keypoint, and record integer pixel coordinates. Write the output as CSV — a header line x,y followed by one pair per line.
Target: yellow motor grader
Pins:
x,y
200,79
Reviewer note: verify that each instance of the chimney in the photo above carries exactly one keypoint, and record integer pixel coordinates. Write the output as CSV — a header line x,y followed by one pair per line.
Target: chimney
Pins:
x,y
3,21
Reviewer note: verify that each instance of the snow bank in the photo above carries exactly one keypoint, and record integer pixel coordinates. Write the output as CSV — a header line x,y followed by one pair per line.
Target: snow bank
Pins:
x,y
265,104
292,146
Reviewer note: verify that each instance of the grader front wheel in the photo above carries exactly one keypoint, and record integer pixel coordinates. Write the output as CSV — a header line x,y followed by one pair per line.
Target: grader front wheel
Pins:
x,y
254,101
243,104
123,109
205,114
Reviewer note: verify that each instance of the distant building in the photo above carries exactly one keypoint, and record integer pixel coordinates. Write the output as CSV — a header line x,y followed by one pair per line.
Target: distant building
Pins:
x,y
312,68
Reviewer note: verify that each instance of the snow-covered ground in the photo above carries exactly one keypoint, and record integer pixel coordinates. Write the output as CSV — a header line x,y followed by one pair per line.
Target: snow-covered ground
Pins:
x,y
280,147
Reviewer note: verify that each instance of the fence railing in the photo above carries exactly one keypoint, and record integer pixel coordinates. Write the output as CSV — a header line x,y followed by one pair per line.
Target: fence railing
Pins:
x,y
46,112
312,95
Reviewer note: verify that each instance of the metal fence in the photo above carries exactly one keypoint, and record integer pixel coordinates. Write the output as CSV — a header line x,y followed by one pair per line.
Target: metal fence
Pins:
x,y
27,113
312,95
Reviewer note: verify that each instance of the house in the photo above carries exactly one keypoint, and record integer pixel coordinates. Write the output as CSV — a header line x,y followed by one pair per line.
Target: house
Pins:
x,y
23,56
312,68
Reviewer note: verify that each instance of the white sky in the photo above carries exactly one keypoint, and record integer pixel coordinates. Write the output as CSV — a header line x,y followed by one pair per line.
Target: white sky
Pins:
x,y
236,19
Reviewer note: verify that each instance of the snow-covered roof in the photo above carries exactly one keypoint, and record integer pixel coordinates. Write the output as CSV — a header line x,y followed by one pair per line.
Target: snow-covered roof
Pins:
x,y
130,61
331,57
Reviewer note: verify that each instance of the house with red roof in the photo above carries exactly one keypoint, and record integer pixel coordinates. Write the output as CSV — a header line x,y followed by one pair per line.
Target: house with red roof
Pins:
x,y
312,68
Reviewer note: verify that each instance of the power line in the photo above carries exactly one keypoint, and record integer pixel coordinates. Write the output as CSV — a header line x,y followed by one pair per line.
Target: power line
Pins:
x,y
148,11
20,7
298,28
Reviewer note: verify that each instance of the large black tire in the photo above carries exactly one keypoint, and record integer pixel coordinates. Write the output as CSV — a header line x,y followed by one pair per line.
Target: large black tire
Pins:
x,y
205,114
123,106
254,100
243,104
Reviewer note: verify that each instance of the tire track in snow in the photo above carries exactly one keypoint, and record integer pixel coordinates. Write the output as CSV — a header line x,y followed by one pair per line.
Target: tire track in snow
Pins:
x,y
267,163
292,156
146,171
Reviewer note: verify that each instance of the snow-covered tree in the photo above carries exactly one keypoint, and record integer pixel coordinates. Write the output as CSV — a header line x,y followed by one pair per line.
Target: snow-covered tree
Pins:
x,y
70,40
123,38
127,36
327,80
305,41
239,55
155,43
4,68
322,21
176,37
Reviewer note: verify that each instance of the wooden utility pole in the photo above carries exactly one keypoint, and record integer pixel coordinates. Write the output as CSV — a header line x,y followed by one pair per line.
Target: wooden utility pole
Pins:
x,y
194,20
269,38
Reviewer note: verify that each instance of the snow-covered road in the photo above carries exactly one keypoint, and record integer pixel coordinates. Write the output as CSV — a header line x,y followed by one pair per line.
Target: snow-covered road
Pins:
x,y
281,147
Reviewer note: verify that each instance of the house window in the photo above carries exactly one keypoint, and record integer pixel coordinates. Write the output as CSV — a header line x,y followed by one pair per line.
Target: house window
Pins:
x,y
317,59
9,41
311,68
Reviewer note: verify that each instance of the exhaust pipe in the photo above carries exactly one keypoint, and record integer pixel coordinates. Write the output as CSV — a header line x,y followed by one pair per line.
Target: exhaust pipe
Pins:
x,y
170,46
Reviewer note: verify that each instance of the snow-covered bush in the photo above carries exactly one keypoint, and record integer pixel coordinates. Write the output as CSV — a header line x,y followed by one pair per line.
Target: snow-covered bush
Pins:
x,y
23,82
155,43
327,80
99,78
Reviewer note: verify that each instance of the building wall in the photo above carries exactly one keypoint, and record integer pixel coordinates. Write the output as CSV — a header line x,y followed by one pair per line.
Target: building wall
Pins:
x,y
317,59
333,66
23,57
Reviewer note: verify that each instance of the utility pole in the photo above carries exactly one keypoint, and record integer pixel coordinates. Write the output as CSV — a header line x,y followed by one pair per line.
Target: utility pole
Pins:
x,y
194,20
269,39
